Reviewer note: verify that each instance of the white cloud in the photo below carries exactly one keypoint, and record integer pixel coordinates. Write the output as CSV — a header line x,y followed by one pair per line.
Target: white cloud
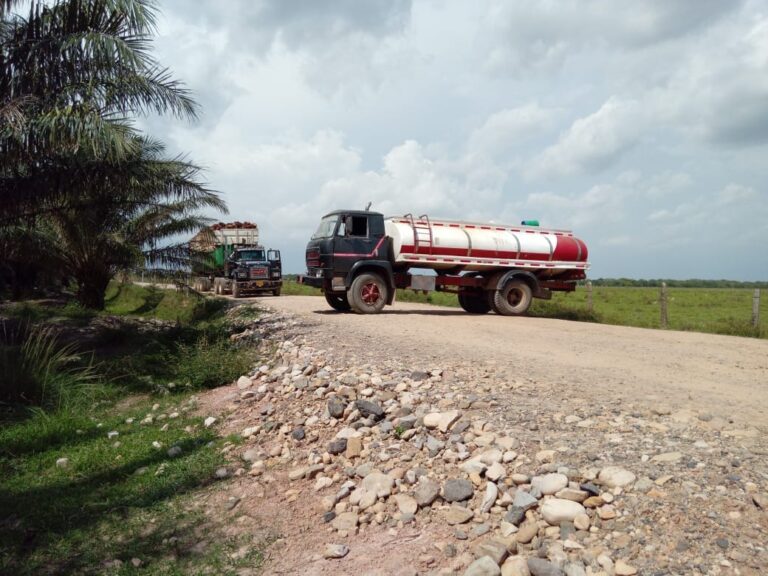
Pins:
x,y
593,142
508,129
636,128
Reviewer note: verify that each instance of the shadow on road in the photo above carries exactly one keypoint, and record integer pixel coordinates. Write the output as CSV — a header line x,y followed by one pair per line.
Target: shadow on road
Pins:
x,y
403,312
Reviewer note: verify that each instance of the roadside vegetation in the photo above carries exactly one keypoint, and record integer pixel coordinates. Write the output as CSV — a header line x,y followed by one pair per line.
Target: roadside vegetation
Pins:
x,y
92,403
714,310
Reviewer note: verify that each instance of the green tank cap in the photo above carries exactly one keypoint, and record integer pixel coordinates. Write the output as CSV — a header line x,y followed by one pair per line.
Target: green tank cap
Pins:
x,y
529,223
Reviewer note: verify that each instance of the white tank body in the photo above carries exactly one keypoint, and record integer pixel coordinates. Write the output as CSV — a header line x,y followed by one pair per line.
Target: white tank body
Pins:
x,y
446,244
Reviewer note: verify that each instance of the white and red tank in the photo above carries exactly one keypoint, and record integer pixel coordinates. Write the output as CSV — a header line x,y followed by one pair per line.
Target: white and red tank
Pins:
x,y
445,244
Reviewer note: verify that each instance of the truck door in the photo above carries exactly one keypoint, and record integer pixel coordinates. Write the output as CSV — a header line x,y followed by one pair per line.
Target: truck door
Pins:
x,y
275,263
352,242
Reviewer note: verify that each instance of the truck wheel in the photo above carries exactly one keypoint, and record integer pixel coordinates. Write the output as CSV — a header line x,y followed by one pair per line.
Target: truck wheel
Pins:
x,y
513,299
473,303
368,294
235,289
216,287
276,292
338,302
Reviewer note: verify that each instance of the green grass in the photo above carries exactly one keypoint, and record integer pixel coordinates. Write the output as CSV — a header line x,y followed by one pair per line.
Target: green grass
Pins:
x,y
115,503
118,499
714,310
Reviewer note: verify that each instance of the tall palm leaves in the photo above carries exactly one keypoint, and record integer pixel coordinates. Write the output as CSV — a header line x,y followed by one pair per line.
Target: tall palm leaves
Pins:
x,y
75,174
73,74
132,209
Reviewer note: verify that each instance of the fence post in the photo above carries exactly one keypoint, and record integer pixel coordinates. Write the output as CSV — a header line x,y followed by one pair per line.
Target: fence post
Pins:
x,y
663,302
590,303
756,308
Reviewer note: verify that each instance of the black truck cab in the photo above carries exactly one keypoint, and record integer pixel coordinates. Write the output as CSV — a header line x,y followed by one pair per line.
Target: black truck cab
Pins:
x,y
346,244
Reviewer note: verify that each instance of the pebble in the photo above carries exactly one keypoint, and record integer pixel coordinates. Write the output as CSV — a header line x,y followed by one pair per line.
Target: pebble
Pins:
x,y
541,567
491,494
524,500
210,421
337,446
614,476
62,463
484,566
335,551
457,490
556,510
621,568
515,566
426,492
406,504
549,483
456,514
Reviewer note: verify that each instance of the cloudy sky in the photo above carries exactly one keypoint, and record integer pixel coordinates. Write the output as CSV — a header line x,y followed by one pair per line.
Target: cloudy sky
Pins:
x,y
645,130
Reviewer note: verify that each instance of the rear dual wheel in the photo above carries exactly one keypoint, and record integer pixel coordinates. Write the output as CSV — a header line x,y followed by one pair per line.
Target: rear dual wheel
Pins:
x,y
368,294
473,302
513,299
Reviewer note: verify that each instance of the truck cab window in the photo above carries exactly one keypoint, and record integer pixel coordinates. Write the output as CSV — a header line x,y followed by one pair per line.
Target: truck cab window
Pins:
x,y
358,226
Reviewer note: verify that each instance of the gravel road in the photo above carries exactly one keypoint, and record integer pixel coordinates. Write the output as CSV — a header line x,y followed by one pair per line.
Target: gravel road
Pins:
x,y
723,375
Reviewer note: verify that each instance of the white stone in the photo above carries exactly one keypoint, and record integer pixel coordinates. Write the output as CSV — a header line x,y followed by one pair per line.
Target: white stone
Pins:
x,y
441,420
244,382
555,510
484,566
406,504
210,421
495,472
613,476
515,566
549,483
62,463
491,494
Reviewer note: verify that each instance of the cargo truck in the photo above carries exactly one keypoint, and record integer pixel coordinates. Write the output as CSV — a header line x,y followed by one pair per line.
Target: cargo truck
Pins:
x,y
359,258
229,259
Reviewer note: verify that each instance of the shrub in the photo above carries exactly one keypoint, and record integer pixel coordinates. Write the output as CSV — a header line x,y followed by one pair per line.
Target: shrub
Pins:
x,y
36,370
209,363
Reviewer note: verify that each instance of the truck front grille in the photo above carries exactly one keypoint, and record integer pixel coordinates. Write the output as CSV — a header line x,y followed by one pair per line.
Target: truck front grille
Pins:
x,y
259,272
313,258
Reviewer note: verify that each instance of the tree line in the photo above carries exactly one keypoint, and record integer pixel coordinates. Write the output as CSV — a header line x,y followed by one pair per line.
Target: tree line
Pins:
x,y
83,193
690,283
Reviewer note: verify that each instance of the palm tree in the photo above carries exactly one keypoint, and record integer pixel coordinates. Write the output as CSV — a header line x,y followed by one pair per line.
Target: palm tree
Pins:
x,y
73,74
130,214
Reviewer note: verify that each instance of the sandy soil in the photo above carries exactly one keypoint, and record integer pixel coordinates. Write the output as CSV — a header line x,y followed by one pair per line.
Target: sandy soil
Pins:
x,y
724,375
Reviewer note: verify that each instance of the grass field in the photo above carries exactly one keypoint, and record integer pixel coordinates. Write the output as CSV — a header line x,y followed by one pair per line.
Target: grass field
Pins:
x,y
113,407
713,310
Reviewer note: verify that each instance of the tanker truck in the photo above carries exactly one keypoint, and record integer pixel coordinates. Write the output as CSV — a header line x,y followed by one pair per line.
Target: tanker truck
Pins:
x,y
229,259
359,258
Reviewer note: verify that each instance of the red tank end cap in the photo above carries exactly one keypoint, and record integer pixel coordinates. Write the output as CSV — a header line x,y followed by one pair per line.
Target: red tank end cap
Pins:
x,y
570,249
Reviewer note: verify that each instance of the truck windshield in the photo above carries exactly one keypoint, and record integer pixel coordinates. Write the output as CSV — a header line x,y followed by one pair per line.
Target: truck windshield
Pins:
x,y
325,230
250,255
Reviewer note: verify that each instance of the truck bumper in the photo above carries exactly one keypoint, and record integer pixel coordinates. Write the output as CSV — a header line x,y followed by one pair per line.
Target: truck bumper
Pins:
x,y
311,281
259,285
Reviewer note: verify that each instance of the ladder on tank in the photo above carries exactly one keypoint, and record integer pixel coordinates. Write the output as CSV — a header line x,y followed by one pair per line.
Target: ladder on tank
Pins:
x,y
422,234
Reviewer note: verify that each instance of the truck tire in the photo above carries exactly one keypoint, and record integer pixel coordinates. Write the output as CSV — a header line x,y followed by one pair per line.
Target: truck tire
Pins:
x,y
473,303
235,289
338,302
216,287
513,299
368,294
276,292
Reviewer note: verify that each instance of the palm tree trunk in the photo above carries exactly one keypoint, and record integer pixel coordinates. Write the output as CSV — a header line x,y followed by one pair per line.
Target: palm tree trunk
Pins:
x,y
92,286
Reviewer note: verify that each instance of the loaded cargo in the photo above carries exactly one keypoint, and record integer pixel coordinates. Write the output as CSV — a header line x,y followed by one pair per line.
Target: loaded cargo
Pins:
x,y
228,258
359,258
